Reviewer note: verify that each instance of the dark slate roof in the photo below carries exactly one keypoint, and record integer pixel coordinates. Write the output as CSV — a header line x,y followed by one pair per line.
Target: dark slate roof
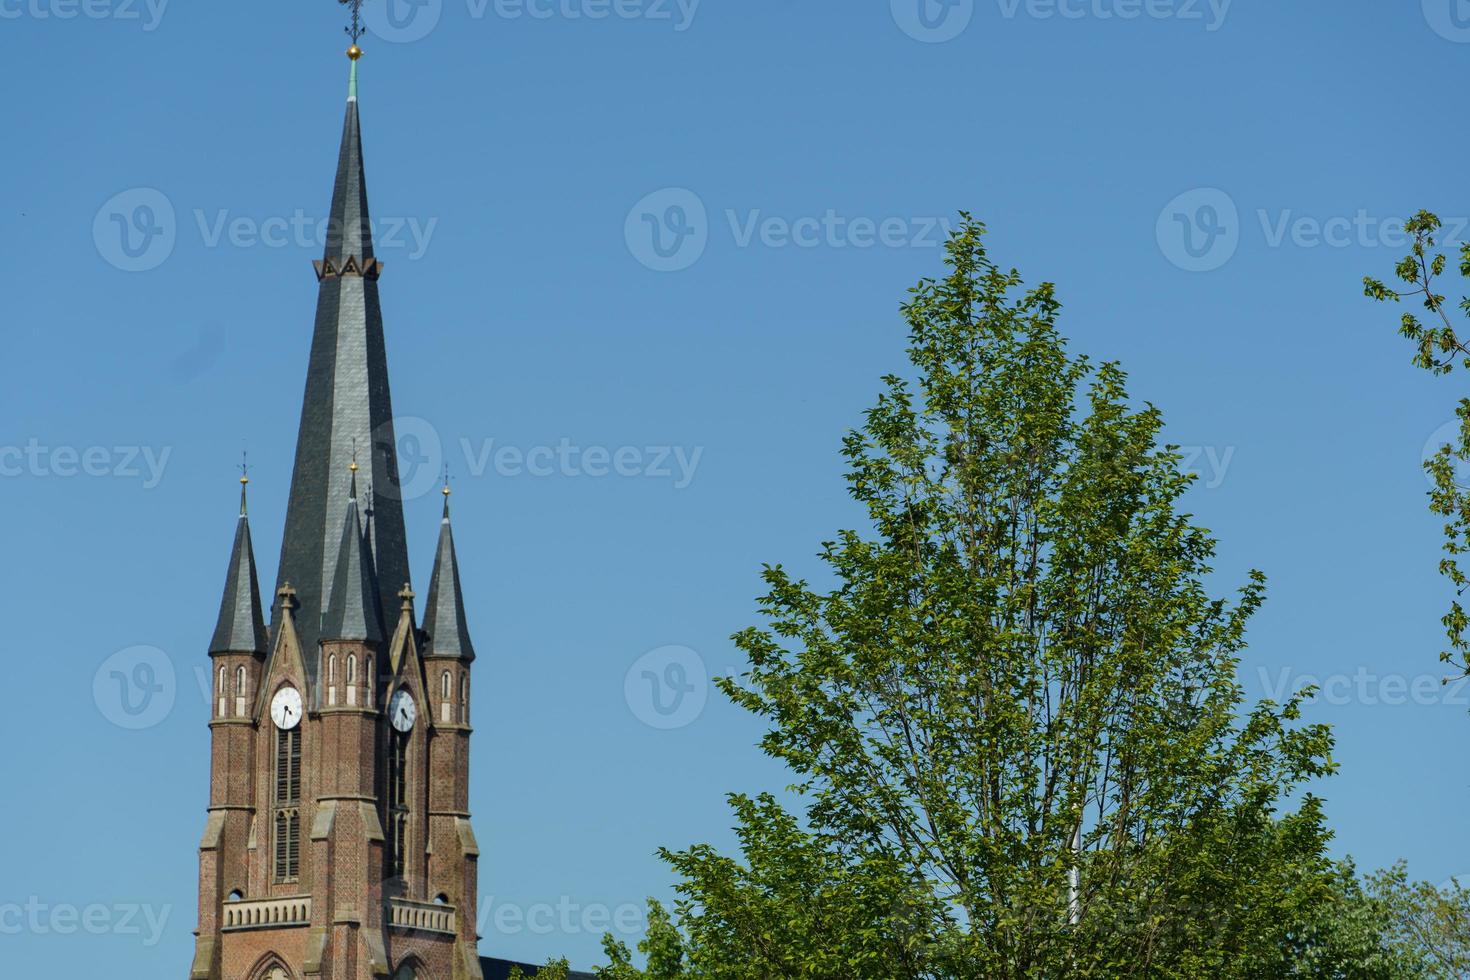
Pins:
x,y
449,635
346,409
241,625
353,612
500,969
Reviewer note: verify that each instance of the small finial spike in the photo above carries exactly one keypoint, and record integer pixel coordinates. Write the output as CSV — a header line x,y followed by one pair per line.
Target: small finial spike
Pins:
x,y
244,479
446,491
352,467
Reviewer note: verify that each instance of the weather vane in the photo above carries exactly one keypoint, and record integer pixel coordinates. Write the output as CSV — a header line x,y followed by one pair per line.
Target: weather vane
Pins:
x,y
356,31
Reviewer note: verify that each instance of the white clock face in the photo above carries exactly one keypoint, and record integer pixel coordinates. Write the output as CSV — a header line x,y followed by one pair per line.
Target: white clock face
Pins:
x,y
286,708
402,711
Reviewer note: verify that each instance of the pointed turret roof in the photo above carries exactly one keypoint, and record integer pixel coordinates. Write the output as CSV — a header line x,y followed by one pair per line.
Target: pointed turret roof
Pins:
x,y
449,634
353,612
241,624
346,406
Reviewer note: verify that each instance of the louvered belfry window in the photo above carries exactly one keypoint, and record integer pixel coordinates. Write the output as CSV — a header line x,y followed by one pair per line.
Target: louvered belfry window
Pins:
x,y
398,802
288,805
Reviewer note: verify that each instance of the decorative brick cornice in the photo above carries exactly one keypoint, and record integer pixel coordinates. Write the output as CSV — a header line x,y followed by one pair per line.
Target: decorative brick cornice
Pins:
x,y
347,266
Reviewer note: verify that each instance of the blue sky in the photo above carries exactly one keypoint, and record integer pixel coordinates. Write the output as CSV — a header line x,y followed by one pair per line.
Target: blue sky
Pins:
x,y
644,262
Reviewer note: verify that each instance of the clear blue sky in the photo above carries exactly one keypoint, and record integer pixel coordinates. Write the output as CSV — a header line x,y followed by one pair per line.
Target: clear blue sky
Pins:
x,y
537,309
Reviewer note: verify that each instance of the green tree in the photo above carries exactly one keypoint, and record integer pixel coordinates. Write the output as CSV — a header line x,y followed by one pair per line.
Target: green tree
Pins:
x,y
553,970
1426,926
1012,714
1430,325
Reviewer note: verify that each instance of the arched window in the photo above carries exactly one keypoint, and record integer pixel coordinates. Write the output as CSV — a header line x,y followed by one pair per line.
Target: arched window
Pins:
x,y
288,805
237,896
332,669
367,678
221,688
351,668
444,685
464,699
240,682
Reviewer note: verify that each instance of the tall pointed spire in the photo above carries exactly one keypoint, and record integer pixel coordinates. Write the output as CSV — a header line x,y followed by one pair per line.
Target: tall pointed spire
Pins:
x,y
346,404
444,621
241,625
353,611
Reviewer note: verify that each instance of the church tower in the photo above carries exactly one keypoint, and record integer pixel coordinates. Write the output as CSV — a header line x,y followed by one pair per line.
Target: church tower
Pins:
x,y
338,842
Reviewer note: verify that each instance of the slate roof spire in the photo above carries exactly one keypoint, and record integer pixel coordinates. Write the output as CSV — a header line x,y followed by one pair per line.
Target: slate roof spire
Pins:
x,y
353,613
241,625
444,621
346,404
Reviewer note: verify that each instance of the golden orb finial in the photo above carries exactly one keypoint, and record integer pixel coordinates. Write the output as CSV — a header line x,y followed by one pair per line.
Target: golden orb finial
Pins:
x,y
354,52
